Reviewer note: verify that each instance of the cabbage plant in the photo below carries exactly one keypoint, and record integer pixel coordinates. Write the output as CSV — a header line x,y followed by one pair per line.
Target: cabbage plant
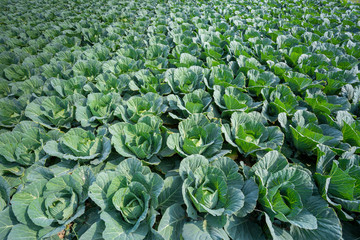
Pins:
x,y
223,75
277,100
305,132
284,189
287,193
299,82
142,140
350,131
309,63
215,194
187,60
59,69
145,81
185,80
217,98
5,88
98,109
197,135
108,83
349,127
24,144
321,103
11,112
46,206
52,112
259,80
64,88
128,197
18,72
338,180
121,65
87,68
211,188
198,101
232,99
249,63
29,87
249,133
80,145
132,109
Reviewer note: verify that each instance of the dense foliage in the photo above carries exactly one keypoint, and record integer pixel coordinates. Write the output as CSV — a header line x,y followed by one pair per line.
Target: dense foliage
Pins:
x,y
166,120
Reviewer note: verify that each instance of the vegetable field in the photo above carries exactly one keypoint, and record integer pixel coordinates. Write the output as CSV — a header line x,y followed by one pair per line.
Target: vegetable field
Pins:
x,y
170,120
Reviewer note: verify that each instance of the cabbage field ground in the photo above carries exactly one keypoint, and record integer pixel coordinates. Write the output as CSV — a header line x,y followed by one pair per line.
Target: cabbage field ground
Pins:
x,y
179,120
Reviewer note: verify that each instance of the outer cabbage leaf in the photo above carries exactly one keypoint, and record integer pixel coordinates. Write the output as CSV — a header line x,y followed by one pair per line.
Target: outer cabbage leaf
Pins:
x,y
244,228
203,230
172,222
329,226
4,193
7,223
